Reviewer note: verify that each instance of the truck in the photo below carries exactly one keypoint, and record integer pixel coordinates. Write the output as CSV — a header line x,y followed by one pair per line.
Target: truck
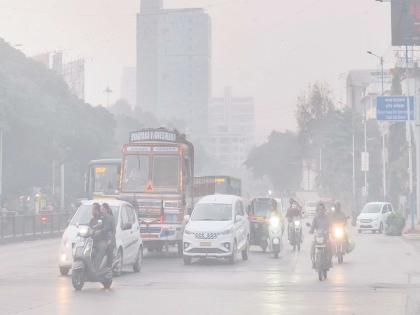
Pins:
x,y
210,185
157,176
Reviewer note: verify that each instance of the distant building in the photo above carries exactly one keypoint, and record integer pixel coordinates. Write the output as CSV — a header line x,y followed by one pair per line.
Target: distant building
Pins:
x,y
73,72
231,128
173,63
128,85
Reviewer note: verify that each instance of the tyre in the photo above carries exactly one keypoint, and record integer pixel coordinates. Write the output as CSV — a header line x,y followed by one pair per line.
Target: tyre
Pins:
x,y
180,249
117,270
359,231
245,251
139,261
187,260
320,275
298,247
232,258
107,283
78,279
276,254
381,228
64,271
340,258
294,247
325,274
264,247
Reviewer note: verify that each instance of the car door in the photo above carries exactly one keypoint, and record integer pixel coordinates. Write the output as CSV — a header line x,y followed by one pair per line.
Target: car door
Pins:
x,y
134,233
240,224
125,235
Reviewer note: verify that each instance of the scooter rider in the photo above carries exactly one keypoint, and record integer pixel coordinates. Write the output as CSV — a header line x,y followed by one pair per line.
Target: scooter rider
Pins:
x,y
294,211
321,222
339,218
109,220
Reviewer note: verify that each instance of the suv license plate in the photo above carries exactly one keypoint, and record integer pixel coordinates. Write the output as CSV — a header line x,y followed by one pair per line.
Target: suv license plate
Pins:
x,y
205,244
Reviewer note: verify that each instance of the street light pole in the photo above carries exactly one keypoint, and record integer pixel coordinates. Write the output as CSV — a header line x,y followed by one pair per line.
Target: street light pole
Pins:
x,y
381,60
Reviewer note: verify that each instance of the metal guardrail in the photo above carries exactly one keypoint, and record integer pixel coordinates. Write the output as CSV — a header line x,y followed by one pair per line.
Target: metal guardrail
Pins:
x,y
26,227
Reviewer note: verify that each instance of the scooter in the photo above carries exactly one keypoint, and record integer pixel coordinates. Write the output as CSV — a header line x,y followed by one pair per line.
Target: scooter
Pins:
x,y
295,233
275,234
84,268
321,259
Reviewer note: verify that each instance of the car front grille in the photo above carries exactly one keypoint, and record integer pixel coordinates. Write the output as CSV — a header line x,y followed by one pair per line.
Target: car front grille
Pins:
x,y
205,236
365,220
206,251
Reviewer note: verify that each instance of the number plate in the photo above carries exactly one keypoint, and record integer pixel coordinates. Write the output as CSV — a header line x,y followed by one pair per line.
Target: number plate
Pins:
x,y
205,244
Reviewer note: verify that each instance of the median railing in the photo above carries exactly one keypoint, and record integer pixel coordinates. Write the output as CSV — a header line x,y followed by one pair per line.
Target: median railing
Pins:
x,y
15,227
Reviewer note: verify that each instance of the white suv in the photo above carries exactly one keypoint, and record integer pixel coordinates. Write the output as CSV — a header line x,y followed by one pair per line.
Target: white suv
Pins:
x,y
218,227
373,216
129,246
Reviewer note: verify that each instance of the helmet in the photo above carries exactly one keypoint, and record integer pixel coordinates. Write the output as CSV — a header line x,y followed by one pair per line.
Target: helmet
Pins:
x,y
292,201
337,206
320,207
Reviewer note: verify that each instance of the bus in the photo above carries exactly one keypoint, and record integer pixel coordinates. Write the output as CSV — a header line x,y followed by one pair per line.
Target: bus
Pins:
x,y
103,178
157,177
210,185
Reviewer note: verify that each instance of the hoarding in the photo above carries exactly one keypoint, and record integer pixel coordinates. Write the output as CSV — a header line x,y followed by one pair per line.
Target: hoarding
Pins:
x,y
394,108
405,22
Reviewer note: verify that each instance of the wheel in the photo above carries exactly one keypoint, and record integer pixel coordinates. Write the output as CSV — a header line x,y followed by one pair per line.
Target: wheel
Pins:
x,y
107,283
245,251
320,275
187,260
360,231
340,258
264,247
180,249
381,228
139,261
77,279
298,247
232,258
117,270
276,254
325,274
64,271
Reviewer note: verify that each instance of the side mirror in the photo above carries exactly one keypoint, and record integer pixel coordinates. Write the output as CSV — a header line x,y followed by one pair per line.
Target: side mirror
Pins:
x,y
308,224
187,218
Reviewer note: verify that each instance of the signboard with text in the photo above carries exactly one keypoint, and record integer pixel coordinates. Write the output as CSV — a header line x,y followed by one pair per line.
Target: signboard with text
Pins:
x,y
394,108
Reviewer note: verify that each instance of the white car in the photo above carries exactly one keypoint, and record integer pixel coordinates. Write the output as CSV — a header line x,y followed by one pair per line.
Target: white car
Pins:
x,y
129,246
218,227
373,216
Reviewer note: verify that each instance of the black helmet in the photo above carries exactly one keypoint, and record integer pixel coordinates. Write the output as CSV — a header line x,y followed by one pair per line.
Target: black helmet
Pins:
x,y
320,207
292,201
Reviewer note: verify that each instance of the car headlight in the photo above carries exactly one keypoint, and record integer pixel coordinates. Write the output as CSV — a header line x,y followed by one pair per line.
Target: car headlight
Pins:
x,y
226,232
188,232
83,230
297,223
338,232
274,222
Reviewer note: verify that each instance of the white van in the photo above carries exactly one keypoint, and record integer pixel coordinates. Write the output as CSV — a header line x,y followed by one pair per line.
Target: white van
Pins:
x,y
218,227
129,246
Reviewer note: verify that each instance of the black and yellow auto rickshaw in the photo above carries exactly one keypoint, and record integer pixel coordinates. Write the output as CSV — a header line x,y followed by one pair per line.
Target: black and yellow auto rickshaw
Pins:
x,y
259,210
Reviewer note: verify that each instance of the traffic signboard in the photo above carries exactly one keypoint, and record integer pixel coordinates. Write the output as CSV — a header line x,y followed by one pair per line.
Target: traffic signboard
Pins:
x,y
394,108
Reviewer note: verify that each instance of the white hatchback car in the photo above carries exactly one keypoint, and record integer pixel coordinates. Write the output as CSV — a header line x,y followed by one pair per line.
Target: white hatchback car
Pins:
x,y
218,227
373,216
129,246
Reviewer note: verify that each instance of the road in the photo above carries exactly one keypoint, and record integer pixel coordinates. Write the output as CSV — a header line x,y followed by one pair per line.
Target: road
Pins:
x,y
382,276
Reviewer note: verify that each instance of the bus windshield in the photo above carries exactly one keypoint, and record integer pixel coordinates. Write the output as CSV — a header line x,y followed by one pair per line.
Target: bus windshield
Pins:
x,y
136,173
106,178
165,175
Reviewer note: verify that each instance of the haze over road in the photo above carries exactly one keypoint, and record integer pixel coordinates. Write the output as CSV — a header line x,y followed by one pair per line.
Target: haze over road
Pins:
x,y
382,276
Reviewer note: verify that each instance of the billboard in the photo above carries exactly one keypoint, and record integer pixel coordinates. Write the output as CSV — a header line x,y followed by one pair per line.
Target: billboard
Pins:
x,y
394,108
405,22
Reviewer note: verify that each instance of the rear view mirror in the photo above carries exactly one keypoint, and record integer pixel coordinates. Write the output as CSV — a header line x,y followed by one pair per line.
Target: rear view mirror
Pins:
x,y
127,226
308,224
187,218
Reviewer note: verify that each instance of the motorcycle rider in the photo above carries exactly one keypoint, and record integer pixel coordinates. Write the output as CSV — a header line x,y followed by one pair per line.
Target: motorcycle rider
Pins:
x,y
339,218
321,222
274,212
294,211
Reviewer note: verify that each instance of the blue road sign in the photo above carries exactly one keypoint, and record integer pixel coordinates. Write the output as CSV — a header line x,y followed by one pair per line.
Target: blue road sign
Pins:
x,y
394,108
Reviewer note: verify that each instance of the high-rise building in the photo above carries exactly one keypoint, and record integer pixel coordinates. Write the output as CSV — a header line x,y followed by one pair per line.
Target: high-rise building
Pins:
x,y
72,72
173,63
128,85
231,128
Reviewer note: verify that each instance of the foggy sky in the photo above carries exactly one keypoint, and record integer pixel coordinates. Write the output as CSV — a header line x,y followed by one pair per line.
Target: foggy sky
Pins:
x,y
269,49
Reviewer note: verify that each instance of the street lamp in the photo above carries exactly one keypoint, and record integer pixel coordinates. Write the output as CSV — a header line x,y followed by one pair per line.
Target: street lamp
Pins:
x,y
381,60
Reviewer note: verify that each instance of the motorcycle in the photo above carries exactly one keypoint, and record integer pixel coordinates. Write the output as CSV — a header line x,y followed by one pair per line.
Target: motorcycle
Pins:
x,y
295,233
321,259
338,242
275,234
86,267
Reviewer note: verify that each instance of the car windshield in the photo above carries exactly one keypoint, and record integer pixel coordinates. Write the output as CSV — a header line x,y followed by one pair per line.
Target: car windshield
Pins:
x,y
212,212
262,206
372,208
165,172
83,215
136,173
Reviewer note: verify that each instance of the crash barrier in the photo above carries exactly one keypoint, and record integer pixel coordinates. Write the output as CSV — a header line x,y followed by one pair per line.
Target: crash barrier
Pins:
x,y
15,227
